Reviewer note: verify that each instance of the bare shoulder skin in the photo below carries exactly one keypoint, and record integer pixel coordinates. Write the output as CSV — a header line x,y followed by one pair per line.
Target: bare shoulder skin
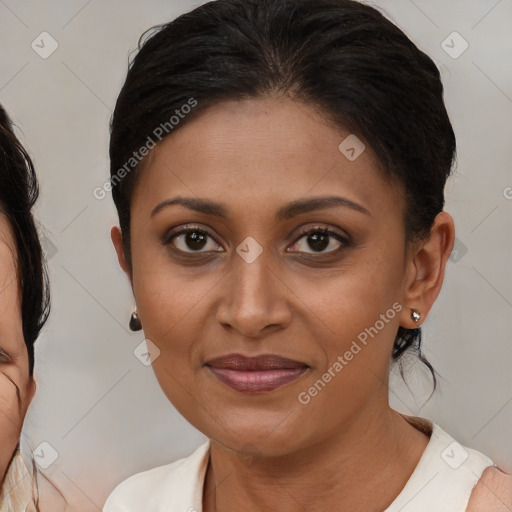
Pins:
x,y
493,492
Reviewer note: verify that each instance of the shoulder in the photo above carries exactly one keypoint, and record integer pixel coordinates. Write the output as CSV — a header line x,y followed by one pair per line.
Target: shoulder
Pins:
x,y
158,488
146,486
492,492
16,488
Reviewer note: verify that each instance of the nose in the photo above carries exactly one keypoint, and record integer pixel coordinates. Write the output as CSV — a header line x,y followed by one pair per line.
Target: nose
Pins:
x,y
254,299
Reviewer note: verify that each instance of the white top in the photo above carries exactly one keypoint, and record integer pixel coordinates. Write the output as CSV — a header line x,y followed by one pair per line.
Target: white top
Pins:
x,y
442,480
16,489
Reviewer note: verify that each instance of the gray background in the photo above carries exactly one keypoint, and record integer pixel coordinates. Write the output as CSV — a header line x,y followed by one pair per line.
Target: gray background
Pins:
x,y
96,404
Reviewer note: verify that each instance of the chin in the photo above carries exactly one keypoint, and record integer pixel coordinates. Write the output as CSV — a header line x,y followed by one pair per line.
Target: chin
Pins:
x,y
255,438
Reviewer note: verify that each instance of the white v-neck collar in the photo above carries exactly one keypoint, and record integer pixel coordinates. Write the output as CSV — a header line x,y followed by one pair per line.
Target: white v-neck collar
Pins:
x,y
440,481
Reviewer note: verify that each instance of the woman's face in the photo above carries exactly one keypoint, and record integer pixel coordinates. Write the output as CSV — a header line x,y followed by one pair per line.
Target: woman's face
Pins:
x,y
258,284
16,385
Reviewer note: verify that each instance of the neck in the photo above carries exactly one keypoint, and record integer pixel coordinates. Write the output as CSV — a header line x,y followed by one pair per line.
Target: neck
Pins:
x,y
377,451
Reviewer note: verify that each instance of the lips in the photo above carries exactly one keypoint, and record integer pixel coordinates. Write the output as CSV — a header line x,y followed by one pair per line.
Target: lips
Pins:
x,y
256,374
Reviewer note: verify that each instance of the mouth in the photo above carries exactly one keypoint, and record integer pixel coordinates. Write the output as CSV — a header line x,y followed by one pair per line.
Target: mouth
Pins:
x,y
256,374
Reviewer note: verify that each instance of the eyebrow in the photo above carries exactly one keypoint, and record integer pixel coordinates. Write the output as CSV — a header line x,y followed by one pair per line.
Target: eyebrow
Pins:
x,y
285,212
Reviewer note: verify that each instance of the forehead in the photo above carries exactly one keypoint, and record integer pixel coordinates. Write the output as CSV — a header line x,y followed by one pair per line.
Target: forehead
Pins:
x,y
264,149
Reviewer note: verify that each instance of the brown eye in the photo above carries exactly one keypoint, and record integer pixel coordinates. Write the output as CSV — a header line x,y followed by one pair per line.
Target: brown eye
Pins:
x,y
195,240
192,240
320,239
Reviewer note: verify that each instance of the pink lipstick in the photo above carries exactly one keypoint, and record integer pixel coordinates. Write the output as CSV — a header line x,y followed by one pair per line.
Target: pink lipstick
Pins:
x,y
256,374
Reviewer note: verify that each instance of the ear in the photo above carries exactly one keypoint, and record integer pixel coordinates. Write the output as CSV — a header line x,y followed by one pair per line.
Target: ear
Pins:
x,y
117,239
425,270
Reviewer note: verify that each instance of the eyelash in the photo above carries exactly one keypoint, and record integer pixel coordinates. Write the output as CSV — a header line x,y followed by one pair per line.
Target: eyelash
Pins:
x,y
343,239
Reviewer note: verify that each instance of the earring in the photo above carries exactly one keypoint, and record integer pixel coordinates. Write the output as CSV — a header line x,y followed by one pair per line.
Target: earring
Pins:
x,y
415,316
135,323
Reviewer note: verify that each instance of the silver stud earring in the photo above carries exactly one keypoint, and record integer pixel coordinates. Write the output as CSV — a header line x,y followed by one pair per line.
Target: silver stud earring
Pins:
x,y
135,323
415,316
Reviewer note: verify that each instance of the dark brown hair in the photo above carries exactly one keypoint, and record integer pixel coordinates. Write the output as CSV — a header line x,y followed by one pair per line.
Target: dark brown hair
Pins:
x,y
19,191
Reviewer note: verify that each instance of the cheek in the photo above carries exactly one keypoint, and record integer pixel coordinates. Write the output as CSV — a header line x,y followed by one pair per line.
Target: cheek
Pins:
x,y
357,316
10,420
354,315
167,311
172,304
348,301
